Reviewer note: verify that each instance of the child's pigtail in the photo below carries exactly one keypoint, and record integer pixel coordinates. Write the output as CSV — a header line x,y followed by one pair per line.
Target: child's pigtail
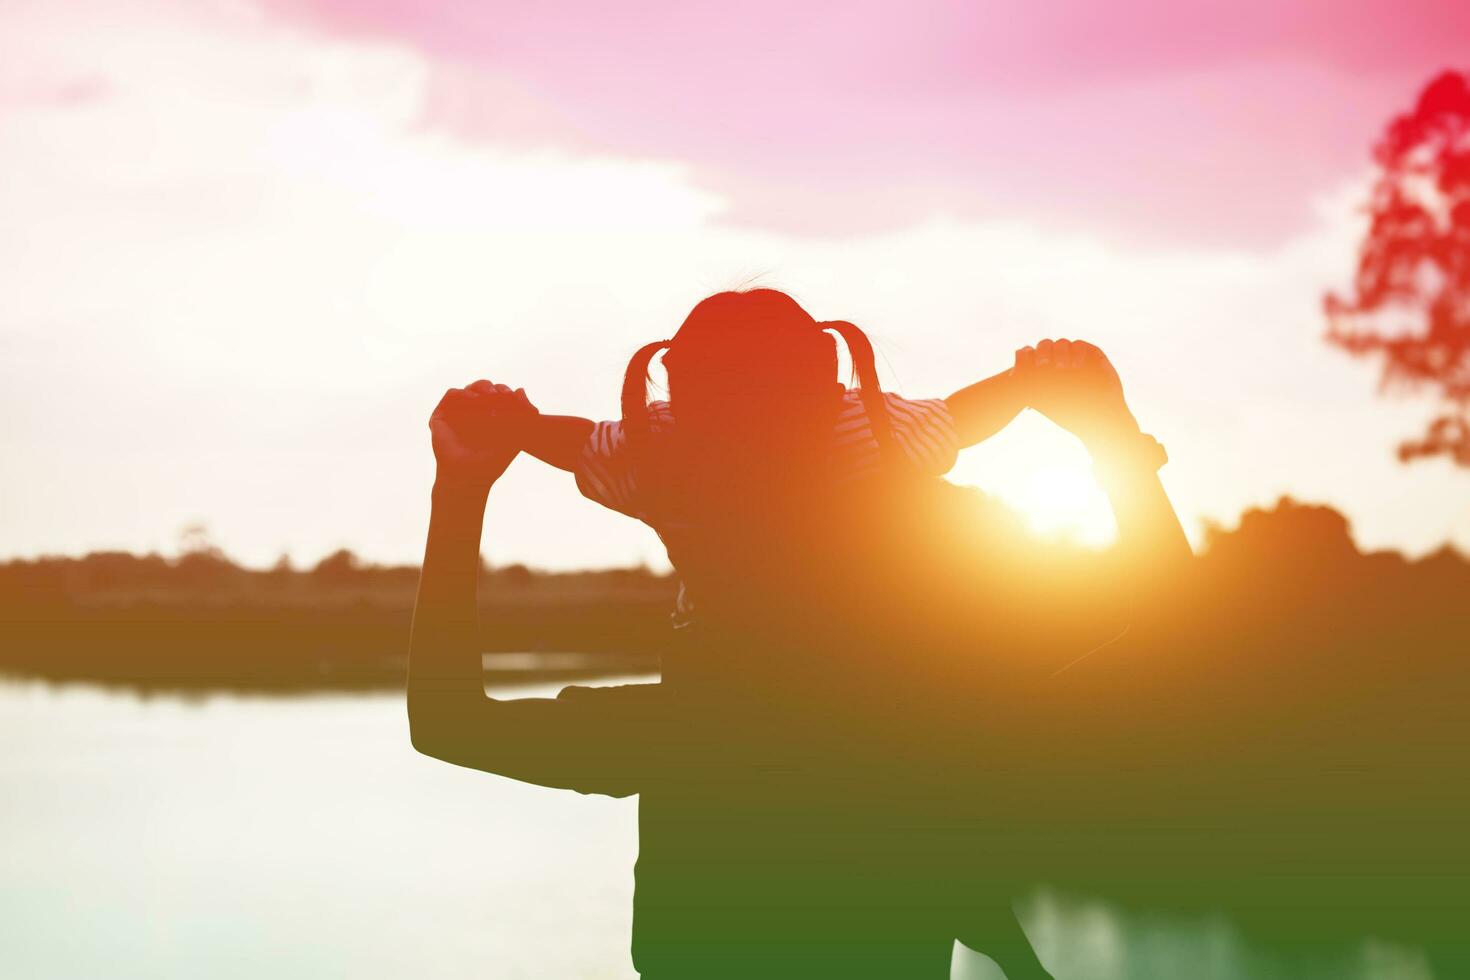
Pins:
x,y
635,389
860,349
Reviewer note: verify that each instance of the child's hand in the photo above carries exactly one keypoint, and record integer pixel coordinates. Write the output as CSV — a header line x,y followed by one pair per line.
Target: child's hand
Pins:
x,y
502,401
1074,384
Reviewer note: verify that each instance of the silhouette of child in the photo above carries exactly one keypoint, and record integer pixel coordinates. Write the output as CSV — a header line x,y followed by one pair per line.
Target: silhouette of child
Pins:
x,y
927,433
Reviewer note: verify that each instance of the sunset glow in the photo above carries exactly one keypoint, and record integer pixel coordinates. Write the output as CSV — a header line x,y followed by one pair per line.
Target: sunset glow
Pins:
x,y
576,489
1064,500
249,244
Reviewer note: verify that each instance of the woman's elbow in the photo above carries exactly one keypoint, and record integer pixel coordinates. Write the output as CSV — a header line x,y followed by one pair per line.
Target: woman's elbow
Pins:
x,y
426,738
459,729
432,729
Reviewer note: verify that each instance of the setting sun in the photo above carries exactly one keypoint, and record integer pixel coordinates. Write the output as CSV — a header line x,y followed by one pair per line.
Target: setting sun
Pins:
x,y
1064,500
1046,475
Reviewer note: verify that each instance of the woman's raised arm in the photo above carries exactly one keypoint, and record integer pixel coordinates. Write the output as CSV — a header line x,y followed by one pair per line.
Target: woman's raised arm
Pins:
x,y
587,743
1075,385
449,715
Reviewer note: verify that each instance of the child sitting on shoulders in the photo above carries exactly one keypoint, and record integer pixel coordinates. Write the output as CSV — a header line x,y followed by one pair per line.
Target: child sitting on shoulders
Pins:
x,y
758,363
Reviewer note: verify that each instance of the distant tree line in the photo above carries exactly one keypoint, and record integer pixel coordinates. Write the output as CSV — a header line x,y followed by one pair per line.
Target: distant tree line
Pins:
x,y
200,620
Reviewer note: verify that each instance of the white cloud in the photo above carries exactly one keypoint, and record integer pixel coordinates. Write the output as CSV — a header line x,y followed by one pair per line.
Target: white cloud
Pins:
x,y
237,284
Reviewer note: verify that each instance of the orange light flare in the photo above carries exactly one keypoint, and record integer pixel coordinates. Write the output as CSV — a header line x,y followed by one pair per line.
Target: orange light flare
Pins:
x,y
1045,475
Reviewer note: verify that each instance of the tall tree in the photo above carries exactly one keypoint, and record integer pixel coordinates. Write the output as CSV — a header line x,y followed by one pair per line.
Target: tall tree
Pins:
x,y
1410,299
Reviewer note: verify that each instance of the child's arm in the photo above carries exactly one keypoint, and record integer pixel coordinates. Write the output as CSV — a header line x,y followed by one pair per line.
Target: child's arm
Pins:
x,y
557,440
986,407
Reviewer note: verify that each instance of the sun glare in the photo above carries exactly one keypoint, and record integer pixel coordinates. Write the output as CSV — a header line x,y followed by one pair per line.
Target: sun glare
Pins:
x,y
1046,475
1064,500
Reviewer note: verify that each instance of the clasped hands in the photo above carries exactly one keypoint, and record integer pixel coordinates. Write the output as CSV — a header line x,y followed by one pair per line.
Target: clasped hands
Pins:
x,y
1074,385
476,432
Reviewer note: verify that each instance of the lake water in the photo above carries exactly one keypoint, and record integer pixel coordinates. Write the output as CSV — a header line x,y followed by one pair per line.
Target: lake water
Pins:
x,y
303,837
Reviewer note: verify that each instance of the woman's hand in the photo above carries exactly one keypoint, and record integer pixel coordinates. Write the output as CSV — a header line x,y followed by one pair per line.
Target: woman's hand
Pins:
x,y
1074,384
476,431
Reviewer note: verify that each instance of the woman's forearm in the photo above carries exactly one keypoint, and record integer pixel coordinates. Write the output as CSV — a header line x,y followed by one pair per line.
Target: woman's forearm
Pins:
x,y
1149,531
536,740
445,679
1148,526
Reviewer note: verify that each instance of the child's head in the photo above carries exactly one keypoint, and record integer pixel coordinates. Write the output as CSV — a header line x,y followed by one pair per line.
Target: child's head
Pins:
x,y
744,359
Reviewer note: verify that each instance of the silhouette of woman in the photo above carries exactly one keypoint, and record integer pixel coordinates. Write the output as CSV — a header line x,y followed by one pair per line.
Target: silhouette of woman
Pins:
x,y
792,796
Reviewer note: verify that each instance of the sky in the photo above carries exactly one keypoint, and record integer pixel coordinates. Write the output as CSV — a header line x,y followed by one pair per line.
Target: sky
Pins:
x,y
246,244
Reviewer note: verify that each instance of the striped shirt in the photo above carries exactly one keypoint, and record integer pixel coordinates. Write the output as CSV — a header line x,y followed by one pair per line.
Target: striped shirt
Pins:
x,y
923,429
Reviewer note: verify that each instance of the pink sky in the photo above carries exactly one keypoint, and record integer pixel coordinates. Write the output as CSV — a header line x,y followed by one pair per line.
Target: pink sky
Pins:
x,y
1203,122
248,244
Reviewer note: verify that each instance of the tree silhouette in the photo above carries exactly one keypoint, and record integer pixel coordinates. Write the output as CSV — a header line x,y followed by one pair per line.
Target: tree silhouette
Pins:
x,y
1410,299
341,566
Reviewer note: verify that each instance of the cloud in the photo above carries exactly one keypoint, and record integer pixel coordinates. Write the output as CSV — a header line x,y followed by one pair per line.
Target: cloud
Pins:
x,y
1147,120
234,289
59,93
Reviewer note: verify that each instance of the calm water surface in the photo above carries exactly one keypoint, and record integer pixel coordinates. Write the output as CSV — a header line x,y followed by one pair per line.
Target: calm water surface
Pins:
x,y
303,837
